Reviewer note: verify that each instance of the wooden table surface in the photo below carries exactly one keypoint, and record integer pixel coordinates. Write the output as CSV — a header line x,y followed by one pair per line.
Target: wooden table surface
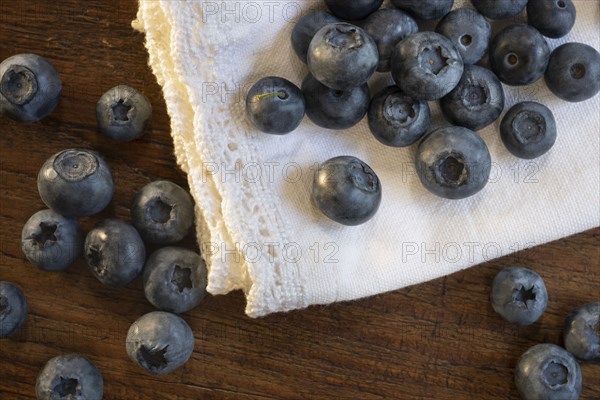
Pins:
x,y
439,340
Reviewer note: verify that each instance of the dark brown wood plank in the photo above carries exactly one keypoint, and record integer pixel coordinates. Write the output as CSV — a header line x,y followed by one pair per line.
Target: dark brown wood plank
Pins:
x,y
438,340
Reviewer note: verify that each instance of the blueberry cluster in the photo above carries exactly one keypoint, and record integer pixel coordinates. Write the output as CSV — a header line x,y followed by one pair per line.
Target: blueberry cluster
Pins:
x,y
76,183
460,65
546,371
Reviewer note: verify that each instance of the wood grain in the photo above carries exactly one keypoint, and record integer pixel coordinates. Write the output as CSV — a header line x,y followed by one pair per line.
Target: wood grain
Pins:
x,y
439,340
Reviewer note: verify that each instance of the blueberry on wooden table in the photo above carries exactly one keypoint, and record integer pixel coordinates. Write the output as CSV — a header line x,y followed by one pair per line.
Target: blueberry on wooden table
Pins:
x,y
275,105
334,109
342,56
162,212
122,113
573,72
75,183
528,130
353,10
396,119
70,376
115,252
468,31
453,162
160,342
30,87
13,309
548,372
387,27
581,332
50,241
346,190
425,9
553,18
175,279
477,100
426,66
519,295
519,55
306,28
499,9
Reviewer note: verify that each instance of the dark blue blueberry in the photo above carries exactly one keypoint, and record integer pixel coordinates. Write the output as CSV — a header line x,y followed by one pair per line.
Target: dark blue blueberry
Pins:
x,y
553,18
30,87
573,72
396,119
160,342
75,183
519,55
115,252
347,190
334,109
162,212
387,27
50,241
426,66
425,9
353,10
123,113
453,162
306,28
499,9
13,309
477,101
548,372
581,332
275,105
342,56
519,295
71,377
468,31
175,279
528,130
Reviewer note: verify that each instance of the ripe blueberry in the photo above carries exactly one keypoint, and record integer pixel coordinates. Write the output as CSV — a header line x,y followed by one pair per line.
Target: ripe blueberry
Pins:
x,y
553,18
581,332
573,72
13,309
306,28
528,130
123,113
468,31
425,9
499,9
353,10
70,376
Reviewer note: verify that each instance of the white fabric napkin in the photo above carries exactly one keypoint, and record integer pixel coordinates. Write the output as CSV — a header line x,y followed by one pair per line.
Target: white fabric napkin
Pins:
x,y
257,227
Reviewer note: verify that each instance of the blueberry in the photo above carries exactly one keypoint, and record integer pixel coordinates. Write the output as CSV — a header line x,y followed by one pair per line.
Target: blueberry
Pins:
x,y
387,27
519,295
553,18
353,10
396,119
573,72
70,376
306,28
115,252
123,113
342,56
75,183
30,87
477,101
528,130
519,55
50,241
426,66
581,332
499,9
13,309
468,31
453,162
334,109
425,9
160,342
347,190
275,105
548,372
162,212
175,279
